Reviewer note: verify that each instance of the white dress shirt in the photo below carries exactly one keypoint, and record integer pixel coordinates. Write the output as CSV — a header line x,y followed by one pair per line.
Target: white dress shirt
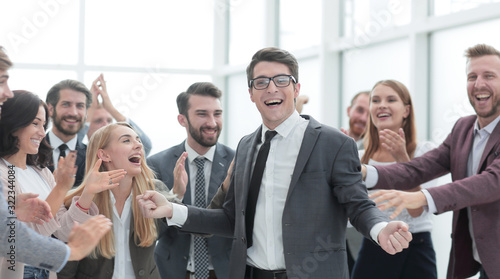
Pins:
x,y
123,268
55,142
267,249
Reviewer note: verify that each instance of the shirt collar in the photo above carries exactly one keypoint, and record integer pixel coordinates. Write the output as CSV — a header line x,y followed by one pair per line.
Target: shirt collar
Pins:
x,y
193,154
56,141
285,128
489,128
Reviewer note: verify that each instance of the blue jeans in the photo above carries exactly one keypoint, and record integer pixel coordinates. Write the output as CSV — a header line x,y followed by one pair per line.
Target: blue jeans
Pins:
x,y
31,272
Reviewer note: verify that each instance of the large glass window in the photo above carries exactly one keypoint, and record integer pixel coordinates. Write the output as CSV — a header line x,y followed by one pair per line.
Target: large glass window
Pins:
x,y
40,31
368,18
246,30
449,100
150,33
444,7
363,67
294,34
149,99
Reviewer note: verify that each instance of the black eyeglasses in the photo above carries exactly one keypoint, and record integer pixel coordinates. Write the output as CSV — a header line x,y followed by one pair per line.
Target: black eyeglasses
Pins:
x,y
279,80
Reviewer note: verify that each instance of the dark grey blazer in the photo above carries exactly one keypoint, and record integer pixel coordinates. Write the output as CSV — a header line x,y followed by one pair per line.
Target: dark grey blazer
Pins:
x,y
172,250
326,188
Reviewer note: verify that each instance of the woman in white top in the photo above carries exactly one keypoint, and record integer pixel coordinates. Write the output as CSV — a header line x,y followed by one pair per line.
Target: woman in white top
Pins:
x,y
391,110
24,154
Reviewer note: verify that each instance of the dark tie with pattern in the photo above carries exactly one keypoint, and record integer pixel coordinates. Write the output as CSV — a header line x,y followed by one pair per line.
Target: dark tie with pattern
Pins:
x,y
62,150
255,182
200,243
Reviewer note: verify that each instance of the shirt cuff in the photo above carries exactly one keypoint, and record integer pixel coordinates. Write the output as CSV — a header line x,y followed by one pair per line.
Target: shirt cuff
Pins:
x,y
431,205
176,197
179,215
375,231
66,258
371,176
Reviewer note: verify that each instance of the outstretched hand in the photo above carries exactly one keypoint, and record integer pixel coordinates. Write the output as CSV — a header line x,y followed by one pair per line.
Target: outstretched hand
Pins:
x,y
154,205
227,180
31,209
395,143
394,237
100,181
180,176
400,199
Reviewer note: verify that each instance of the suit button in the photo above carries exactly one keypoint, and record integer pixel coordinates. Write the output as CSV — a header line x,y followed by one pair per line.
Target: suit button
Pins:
x,y
142,272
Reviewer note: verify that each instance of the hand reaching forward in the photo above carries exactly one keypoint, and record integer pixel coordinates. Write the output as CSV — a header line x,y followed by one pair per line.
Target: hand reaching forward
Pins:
x,y
154,205
394,237
395,143
180,176
393,198
31,209
85,237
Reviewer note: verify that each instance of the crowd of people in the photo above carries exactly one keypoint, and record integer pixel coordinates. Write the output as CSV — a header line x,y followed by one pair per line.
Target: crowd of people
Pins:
x,y
85,199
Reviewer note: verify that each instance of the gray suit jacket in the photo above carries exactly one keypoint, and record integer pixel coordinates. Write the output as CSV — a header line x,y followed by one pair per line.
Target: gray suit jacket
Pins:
x,y
27,246
326,188
172,250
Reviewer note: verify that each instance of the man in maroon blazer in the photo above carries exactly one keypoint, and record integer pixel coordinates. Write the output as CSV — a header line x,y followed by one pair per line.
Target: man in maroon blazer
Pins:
x,y
471,153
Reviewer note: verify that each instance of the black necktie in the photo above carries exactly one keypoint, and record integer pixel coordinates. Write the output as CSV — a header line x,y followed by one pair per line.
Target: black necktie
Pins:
x,y
62,150
255,182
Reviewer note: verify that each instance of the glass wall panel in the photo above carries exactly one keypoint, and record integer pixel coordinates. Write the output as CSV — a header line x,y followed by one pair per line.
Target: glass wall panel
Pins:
x,y
242,116
367,18
444,7
363,67
40,31
310,86
246,29
449,99
294,32
37,81
149,99
174,34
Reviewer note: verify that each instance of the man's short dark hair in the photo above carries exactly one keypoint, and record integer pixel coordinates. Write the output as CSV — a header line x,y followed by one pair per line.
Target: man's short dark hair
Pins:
x,y
55,92
274,54
198,88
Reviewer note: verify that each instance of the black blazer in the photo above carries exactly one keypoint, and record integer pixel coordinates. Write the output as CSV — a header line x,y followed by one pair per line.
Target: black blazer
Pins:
x,y
80,161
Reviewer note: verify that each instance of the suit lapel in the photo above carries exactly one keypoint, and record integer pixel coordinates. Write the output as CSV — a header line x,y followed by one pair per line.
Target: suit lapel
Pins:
x,y
310,137
465,151
246,160
488,149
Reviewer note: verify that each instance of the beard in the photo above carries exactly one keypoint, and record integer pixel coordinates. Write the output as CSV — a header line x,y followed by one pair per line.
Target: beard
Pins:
x,y
68,132
198,136
495,104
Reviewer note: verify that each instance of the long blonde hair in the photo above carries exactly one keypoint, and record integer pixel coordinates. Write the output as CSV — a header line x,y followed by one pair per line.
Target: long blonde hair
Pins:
x,y
371,140
145,228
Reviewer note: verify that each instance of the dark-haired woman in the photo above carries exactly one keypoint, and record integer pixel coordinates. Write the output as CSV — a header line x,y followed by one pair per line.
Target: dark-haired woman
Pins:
x,y
24,154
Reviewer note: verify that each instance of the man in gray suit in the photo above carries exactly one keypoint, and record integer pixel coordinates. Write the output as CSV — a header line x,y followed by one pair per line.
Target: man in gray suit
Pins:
x,y
200,113
310,185
22,244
